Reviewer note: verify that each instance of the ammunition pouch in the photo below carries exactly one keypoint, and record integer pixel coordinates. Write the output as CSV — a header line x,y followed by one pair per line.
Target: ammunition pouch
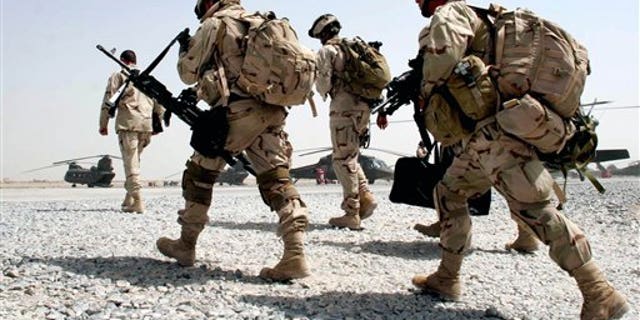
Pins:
x,y
414,182
210,132
276,188
197,183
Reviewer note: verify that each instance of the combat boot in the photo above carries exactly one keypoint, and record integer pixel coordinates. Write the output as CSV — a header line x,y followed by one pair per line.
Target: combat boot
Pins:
x,y
432,230
182,249
601,300
368,204
138,204
293,264
526,242
127,202
445,282
349,220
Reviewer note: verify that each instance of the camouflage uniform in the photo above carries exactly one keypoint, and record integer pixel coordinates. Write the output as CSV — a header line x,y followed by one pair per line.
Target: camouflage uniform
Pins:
x,y
349,119
255,128
489,157
134,128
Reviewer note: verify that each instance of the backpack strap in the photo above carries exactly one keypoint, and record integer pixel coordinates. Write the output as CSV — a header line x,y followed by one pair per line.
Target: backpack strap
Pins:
x,y
484,15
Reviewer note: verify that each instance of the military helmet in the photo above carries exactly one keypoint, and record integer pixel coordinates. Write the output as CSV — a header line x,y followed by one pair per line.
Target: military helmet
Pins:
x,y
326,23
199,10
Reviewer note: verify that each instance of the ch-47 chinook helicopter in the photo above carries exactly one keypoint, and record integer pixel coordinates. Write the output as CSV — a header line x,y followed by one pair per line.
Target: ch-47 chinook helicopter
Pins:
x,y
322,171
99,175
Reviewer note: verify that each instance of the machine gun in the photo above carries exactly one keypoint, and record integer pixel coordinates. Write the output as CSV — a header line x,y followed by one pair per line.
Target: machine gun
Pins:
x,y
210,128
403,89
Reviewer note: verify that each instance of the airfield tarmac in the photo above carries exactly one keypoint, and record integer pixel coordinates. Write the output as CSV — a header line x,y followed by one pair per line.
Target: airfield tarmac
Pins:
x,y
68,253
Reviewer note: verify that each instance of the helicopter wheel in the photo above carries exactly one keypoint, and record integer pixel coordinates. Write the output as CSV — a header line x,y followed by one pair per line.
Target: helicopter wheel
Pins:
x,y
371,181
73,185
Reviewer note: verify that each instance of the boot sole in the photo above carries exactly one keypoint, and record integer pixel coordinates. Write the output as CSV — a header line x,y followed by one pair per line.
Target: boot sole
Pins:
x,y
621,311
439,295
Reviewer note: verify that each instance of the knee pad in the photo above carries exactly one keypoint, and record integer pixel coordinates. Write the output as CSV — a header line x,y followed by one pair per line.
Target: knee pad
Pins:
x,y
276,188
197,183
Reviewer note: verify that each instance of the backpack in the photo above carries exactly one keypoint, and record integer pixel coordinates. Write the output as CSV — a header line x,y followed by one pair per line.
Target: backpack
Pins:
x,y
543,70
366,72
276,68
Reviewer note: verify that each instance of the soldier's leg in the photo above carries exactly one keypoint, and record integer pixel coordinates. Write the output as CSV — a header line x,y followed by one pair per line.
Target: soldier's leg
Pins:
x,y
463,179
197,189
345,142
270,154
128,142
368,202
528,188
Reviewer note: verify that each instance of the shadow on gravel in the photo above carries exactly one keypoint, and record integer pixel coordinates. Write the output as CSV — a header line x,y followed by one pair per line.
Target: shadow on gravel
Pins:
x,y
345,305
417,250
143,272
260,226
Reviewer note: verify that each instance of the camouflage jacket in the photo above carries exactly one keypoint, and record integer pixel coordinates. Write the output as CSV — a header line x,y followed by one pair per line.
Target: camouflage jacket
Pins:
x,y
198,58
134,109
455,31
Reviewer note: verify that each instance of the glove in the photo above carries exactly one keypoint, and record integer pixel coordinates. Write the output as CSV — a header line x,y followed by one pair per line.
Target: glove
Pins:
x,y
166,118
183,39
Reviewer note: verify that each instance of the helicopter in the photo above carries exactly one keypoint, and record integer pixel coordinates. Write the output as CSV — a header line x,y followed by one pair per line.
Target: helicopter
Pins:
x,y
99,175
323,173
234,175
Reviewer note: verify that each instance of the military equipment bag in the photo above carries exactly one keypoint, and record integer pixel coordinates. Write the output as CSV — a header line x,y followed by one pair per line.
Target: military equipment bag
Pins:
x,y
535,56
276,68
366,72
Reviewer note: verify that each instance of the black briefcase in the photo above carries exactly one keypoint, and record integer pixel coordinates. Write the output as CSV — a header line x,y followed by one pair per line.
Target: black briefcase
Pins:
x,y
415,179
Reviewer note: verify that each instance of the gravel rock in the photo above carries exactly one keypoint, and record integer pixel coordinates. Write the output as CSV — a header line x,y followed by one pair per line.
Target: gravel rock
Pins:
x,y
71,254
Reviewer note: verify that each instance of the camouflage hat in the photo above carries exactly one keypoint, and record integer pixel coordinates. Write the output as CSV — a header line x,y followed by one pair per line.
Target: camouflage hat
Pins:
x,y
322,23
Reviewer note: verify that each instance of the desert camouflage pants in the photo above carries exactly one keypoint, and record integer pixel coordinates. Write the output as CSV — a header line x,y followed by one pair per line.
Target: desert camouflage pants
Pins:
x,y
491,158
258,130
346,128
131,145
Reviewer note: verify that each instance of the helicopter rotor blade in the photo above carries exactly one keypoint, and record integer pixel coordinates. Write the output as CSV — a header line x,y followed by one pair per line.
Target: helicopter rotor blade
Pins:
x,y
43,168
395,153
314,152
87,157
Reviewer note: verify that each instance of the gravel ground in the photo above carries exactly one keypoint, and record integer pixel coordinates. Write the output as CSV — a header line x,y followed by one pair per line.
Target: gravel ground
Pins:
x,y
70,254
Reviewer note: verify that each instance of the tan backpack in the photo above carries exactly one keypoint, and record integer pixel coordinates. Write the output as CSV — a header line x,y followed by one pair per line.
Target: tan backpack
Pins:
x,y
535,56
276,68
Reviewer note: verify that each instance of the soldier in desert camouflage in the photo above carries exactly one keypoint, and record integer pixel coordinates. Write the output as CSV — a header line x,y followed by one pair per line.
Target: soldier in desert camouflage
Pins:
x,y
489,157
255,127
133,124
349,118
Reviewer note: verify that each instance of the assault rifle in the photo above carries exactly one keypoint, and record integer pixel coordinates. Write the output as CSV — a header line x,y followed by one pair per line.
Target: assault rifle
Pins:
x,y
403,89
210,128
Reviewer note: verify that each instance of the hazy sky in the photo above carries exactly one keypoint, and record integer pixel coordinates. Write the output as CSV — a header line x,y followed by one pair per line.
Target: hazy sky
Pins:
x,y
53,78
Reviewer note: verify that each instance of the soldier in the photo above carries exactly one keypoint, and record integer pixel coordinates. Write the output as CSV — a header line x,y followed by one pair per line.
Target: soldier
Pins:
x,y
133,126
254,127
349,119
490,157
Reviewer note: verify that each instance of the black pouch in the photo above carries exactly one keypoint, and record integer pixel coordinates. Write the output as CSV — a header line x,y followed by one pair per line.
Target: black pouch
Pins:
x,y
415,179
210,132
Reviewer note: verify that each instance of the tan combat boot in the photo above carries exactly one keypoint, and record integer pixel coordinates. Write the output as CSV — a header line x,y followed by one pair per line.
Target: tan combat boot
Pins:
x,y
445,282
182,249
526,242
601,300
293,264
432,230
349,220
368,204
127,202
138,204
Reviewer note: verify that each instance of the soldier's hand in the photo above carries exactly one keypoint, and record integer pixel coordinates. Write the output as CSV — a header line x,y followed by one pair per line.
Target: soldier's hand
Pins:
x,y
183,39
382,121
103,131
166,118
